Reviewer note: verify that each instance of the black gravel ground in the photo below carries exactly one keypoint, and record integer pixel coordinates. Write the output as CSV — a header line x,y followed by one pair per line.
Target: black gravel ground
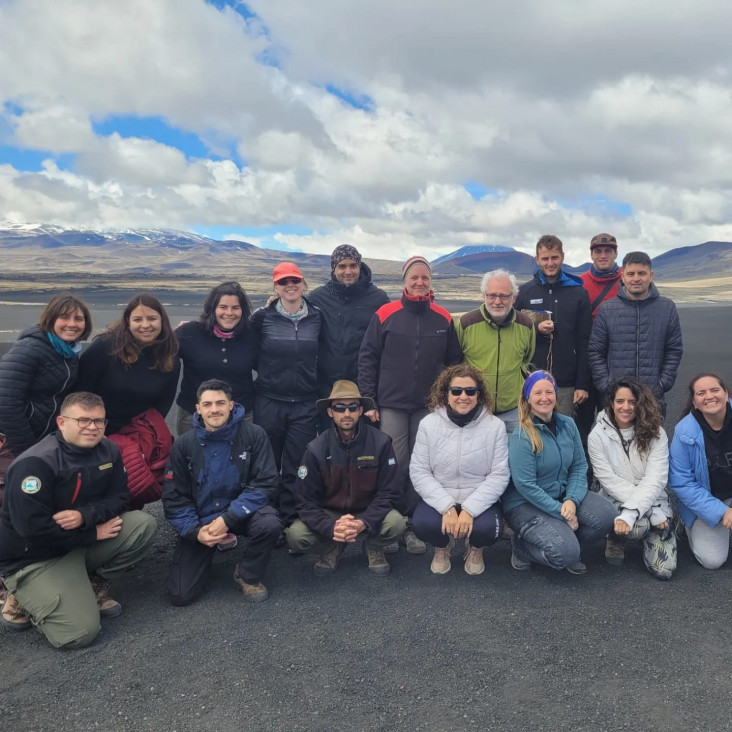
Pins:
x,y
539,650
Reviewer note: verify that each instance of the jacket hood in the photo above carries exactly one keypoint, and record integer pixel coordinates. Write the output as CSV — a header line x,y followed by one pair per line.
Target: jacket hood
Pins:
x,y
565,279
223,434
34,332
653,294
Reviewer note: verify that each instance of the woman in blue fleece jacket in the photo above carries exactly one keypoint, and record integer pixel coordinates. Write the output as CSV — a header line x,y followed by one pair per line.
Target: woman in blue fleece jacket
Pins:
x,y
547,503
700,469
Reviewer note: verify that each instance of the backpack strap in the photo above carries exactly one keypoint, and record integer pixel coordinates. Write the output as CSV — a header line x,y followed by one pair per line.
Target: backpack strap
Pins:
x,y
595,303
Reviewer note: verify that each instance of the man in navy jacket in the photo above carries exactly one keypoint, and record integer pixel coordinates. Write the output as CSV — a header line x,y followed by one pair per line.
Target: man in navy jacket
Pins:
x,y
220,479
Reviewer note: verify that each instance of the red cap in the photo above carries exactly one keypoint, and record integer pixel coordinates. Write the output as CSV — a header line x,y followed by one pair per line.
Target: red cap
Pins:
x,y
286,269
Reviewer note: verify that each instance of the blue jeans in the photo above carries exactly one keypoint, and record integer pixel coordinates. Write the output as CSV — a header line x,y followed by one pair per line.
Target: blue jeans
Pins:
x,y
541,538
427,525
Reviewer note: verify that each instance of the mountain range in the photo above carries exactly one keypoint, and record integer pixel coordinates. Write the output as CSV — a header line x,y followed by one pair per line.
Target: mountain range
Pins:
x,y
45,256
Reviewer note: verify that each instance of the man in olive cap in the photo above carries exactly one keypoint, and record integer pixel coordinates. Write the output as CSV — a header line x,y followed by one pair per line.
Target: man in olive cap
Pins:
x,y
347,484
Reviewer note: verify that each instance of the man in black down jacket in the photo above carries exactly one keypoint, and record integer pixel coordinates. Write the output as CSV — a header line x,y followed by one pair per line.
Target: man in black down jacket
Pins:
x,y
348,484
561,340
637,333
346,303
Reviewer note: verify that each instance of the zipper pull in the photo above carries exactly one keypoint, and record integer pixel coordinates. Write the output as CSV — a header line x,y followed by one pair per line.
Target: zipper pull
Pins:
x,y
78,487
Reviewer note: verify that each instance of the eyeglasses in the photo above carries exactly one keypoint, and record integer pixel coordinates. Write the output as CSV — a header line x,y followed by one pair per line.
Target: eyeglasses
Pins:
x,y
471,391
341,408
85,422
289,281
491,296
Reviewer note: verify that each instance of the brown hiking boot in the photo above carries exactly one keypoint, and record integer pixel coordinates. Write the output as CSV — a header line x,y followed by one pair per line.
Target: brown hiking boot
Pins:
x,y
614,552
377,560
13,617
474,563
327,562
414,544
252,593
108,608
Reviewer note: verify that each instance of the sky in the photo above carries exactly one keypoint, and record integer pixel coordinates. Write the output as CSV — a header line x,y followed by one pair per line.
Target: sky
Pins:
x,y
399,127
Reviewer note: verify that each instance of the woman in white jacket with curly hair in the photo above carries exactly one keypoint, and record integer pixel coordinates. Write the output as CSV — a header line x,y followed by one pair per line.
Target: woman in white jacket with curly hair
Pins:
x,y
459,468
628,450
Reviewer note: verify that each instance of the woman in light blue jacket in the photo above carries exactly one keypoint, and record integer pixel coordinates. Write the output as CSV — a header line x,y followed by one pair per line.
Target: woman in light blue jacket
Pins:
x,y
700,471
547,503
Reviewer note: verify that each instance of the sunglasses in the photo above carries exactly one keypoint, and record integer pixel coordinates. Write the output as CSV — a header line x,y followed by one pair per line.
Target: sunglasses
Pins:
x,y
289,281
341,408
471,391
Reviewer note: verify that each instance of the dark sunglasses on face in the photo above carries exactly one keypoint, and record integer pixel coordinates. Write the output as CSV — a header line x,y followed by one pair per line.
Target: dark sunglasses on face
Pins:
x,y
456,391
289,281
341,408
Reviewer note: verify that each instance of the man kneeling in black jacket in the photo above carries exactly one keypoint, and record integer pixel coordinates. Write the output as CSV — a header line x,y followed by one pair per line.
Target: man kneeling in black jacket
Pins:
x,y
347,484
220,479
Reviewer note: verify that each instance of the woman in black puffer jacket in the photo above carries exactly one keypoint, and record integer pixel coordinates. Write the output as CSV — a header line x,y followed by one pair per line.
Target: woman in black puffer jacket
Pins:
x,y
37,373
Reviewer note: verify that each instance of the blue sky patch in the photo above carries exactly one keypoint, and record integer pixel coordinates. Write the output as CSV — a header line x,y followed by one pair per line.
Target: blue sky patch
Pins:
x,y
352,98
476,190
265,234
30,161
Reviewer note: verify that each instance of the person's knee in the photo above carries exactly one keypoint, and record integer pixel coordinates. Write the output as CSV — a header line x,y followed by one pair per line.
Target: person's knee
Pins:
x,y
77,633
710,561
299,537
561,556
267,526
393,526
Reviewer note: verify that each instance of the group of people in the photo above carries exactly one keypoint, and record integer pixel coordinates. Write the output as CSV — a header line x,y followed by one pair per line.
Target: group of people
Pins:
x,y
320,418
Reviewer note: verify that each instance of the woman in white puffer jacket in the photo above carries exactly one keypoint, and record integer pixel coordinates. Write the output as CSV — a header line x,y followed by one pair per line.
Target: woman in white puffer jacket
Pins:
x,y
628,450
459,468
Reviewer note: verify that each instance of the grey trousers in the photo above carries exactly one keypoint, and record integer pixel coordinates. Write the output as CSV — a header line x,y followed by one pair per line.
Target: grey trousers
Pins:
x,y
401,425
57,594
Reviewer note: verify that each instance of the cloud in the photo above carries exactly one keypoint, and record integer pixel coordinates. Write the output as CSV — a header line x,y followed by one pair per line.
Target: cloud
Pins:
x,y
363,122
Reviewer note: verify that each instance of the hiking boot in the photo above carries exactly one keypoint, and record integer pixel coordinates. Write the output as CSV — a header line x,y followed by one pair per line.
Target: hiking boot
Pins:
x,y
252,593
474,559
413,544
579,568
441,560
614,552
228,543
108,608
521,565
392,548
377,561
13,617
327,562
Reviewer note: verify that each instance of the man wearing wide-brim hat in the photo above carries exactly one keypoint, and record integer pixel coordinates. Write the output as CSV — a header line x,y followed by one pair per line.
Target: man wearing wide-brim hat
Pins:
x,y
347,484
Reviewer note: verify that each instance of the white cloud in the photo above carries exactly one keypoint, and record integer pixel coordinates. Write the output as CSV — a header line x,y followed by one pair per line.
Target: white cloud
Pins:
x,y
553,107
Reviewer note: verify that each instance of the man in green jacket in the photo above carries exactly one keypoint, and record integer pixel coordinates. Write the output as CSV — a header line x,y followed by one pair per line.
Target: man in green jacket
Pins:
x,y
500,342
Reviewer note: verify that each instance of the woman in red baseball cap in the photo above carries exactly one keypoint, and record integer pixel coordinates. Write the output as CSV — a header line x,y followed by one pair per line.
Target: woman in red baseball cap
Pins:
x,y
288,329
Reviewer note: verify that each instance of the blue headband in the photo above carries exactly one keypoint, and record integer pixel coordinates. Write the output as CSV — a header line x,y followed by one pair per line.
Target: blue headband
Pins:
x,y
535,376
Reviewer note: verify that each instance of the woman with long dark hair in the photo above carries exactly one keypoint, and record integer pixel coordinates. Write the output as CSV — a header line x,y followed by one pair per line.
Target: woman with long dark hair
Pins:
x,y
288,331
38,371
133,365
547,503
628,449
459,468
700,471
219,345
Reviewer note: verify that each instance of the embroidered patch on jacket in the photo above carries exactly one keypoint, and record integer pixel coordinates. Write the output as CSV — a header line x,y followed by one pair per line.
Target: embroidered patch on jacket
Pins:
x,y
392,461
365,457
169,475
536,302
302,472
106,466
31,484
